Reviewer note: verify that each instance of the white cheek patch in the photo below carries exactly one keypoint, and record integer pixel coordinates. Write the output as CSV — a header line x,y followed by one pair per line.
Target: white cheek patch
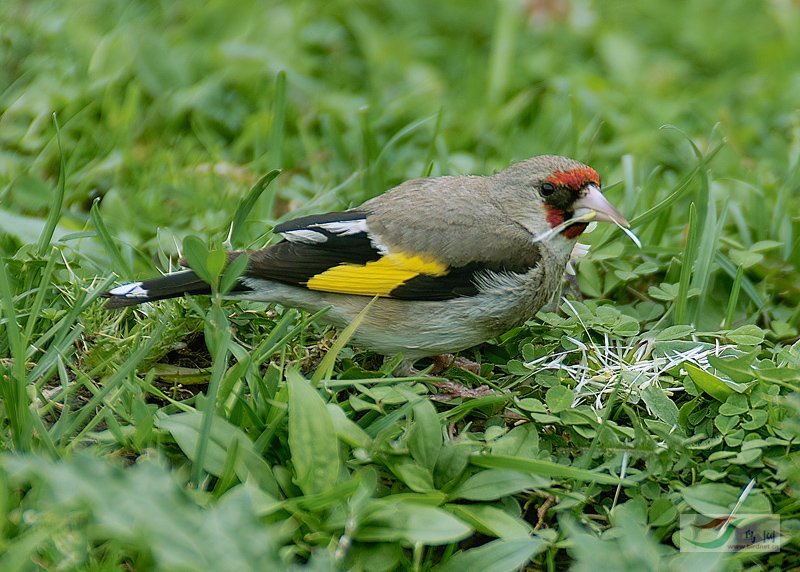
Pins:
x,y
130,290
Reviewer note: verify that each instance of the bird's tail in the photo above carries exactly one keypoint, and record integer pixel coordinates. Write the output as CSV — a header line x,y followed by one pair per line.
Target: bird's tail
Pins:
x,y
169,286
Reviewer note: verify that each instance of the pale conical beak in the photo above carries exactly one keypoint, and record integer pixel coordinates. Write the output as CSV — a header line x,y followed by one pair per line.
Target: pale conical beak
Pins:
x,y
603,210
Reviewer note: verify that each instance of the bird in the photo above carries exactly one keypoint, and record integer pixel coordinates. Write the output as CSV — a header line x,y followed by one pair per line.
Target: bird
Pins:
x,y
445,263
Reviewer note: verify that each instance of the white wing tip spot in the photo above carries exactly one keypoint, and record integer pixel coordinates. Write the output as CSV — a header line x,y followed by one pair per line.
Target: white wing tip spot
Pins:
x,y
130,290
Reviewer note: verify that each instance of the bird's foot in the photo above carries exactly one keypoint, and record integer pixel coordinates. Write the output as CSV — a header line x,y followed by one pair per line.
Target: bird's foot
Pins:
x,y
449,390
445,361
439,364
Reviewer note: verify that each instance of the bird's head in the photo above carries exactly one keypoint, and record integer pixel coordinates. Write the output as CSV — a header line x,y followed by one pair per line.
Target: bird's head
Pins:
x,y
575,194
569,193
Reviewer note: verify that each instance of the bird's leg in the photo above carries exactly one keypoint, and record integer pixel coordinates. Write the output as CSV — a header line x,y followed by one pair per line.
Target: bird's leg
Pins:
x,y
405,368
554,301
571,273
444,361
448,390
440,363
575,288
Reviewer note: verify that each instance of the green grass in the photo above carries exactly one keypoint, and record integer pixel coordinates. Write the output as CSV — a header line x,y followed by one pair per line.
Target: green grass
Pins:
x,y
204,434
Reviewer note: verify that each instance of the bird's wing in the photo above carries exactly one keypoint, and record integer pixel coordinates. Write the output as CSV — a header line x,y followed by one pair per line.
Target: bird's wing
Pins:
x,y
337,252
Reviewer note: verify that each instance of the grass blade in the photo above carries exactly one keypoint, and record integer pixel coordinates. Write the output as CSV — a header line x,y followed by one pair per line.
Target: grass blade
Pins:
x,y
689,253
54,215
276,136
680,190
111,383
371,173
15,395
747,285
325,368
707,248
544,468
121,267
501,55
237,226
45,281
733,299
220,351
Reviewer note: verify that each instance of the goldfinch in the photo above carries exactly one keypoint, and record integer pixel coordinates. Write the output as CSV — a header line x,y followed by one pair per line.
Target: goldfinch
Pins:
x,y
453,260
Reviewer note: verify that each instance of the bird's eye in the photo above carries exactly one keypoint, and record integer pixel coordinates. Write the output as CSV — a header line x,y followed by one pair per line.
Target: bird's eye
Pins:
x,y
547,189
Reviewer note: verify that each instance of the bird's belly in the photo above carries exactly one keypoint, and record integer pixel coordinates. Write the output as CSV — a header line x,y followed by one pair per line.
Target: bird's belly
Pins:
x,y
423,328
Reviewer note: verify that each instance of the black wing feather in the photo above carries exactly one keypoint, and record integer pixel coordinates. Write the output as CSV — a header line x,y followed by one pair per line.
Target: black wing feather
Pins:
x,y
296,262
310,221
169,286
458,282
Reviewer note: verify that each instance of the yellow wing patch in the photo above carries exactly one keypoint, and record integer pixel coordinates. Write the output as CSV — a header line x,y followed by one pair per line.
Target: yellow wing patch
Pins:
x,y
376,278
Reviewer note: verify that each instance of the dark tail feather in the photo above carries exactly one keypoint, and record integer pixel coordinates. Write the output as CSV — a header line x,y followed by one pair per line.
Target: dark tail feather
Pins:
x,y
169,286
